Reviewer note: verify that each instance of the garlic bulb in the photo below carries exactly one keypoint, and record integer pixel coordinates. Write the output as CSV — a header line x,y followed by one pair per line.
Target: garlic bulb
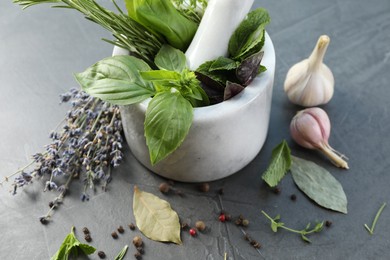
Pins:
x,y
310,82
310,128
219,21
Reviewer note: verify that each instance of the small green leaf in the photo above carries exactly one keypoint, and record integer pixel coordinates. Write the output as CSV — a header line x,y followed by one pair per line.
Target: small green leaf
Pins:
x,y
169,58
160,75
319,185
223,63
279,165
249,34
219,77
305,238
155,218
71,246
274,226
117,80
168,120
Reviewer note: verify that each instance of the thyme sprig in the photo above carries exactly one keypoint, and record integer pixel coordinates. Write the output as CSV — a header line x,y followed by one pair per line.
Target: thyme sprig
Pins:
x,y
128,34
275,224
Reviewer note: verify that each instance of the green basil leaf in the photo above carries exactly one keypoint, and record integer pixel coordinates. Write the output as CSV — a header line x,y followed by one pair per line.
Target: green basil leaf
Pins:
x,y
279,165
117,80
168,120
160,75
119,92
319,185
249,34
163,18
169,58
223,63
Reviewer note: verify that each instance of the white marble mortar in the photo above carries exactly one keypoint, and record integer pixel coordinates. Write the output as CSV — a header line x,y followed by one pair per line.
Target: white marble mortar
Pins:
x,y
223,138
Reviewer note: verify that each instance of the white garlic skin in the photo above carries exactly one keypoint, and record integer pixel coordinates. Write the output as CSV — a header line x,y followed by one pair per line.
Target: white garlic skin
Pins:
x,y
310,82
310,128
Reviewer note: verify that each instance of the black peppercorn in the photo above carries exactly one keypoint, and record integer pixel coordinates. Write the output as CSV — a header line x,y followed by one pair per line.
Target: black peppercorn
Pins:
x,y
221,191
114,235
328,223
43,220
121,230
88,238
101,254
138,255
85,230
51,204
293,197
140,250
132,226
277,190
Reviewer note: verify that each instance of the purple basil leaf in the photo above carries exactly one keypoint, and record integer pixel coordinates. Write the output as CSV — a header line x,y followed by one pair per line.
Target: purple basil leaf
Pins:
x,y
232,89
249,68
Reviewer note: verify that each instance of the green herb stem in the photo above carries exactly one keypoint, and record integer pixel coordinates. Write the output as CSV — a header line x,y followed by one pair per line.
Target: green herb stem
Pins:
x,y
371,230
122,253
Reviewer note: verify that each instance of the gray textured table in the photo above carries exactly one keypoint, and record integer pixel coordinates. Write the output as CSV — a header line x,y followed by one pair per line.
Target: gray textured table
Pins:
x,y
40,48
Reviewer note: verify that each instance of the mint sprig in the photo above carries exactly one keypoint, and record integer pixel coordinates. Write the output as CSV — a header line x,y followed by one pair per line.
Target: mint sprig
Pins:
x,y
71,246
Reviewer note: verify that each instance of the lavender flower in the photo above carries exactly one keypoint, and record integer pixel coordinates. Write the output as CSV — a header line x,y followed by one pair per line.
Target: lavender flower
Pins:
x,y
87,146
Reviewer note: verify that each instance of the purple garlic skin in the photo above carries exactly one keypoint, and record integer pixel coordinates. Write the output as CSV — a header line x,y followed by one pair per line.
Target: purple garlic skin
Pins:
x,y
310,128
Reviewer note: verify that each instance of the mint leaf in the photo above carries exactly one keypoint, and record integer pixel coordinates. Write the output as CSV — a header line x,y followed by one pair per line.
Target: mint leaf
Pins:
x,y
223,63
249,34
249,68
279,165
71,246
117,80
169,58
167,122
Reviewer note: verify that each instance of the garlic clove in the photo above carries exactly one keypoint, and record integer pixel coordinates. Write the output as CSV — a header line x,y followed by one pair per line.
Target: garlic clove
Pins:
x,y
310,128
310,82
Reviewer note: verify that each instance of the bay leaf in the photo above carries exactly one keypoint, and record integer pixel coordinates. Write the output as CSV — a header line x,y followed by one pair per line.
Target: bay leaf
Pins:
x,y
319,185
155,218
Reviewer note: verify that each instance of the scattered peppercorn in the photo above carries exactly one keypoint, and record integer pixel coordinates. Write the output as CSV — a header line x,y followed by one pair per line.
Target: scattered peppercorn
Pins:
x,y
222,217
245,222
255,244
192,232
328,223
277,190
221,191
137,241
200,225
140,250
51,204
85,230
121,230
101,254
164,187
138,255
184,226
293,197
132,226
204,187
114,235
43,220
88,238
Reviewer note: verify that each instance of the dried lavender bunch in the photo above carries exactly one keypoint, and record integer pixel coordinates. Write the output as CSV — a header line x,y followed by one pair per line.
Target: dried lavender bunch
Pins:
x,y
88,144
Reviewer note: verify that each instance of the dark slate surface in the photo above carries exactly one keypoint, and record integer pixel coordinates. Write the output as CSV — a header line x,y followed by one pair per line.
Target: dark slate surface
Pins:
x,y
40,48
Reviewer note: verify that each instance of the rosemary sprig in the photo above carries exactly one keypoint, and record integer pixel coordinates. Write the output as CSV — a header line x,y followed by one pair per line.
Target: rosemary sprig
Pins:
x,y
128,34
